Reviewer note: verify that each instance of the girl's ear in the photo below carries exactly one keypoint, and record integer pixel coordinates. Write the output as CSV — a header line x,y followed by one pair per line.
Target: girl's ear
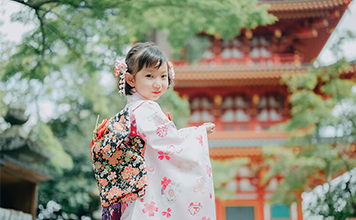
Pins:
x,y
130,79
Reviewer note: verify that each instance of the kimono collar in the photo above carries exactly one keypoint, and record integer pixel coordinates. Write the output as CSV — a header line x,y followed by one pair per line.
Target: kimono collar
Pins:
x,y
134,97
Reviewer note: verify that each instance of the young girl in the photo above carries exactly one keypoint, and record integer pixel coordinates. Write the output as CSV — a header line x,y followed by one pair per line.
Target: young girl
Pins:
x,y
145,167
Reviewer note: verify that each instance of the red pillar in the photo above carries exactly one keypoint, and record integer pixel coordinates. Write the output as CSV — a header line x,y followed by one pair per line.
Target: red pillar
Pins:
x,y
219,210
299,208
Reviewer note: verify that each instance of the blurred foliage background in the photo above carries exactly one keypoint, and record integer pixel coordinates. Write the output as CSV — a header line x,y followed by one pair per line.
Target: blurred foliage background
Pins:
x,y
322,140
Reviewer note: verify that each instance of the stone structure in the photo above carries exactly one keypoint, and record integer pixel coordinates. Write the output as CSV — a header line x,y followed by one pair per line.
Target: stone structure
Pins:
x,y
18,180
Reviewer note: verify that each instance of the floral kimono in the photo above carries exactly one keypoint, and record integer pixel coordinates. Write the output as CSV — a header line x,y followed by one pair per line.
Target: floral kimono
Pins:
x,y
180,182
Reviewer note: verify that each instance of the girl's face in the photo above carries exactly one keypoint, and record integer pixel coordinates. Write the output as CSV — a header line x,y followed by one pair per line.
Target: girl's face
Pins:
x,y
150,82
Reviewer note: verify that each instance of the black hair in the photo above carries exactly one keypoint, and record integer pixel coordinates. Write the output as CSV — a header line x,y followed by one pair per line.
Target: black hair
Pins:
x,y
144,55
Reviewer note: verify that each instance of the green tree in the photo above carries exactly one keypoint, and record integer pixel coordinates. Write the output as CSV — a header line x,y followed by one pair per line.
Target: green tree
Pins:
x,y
323,99
223,173
96,32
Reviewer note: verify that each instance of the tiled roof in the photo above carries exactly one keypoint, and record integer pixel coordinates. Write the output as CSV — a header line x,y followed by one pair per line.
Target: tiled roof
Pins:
x,y
229,144
302,5
226,153
245,143
188,76
234,135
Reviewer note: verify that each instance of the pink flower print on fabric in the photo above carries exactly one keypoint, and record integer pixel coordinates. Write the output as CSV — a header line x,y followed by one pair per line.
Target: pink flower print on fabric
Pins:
x,y
208,170
200,139
150,208
167,213
162,131
206,218
165,182
201,186
114,191
163,155
185,166
112,175
142,135
169,191
195,208
124,206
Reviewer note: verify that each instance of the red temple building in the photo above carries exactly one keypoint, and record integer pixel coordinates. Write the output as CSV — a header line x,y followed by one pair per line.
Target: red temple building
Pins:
x,y
237,86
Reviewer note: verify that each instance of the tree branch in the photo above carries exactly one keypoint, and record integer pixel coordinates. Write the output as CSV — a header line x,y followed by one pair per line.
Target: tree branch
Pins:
x,y
63,39
43,35
36,5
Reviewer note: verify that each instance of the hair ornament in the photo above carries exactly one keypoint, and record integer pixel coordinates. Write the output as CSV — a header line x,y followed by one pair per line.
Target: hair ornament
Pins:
x,y
171,70
120,69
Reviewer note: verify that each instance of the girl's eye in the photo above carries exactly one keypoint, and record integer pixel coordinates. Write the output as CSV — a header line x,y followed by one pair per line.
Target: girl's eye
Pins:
x,y
149,76
164,76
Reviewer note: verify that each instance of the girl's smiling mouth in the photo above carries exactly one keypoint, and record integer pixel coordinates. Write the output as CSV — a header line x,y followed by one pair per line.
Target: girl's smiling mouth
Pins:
x,y
156,92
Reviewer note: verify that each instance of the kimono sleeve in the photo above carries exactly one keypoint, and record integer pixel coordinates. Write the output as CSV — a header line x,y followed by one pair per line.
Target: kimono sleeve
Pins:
x,y
159,132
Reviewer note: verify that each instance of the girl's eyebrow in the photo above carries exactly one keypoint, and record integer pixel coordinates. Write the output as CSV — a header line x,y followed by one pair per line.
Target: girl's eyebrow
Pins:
x,y
154,69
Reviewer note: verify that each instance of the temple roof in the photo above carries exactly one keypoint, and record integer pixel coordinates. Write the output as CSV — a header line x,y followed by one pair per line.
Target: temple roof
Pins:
x,y
294,9
198,76
301,5
224,145
228,75
14,171
245,143
245,135
230,152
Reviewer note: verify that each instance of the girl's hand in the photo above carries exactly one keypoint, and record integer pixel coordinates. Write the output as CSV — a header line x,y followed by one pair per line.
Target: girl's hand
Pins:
x,y
210,127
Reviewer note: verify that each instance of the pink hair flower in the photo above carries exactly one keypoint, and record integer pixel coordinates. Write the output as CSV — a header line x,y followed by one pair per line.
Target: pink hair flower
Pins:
x,y
120,67
171,70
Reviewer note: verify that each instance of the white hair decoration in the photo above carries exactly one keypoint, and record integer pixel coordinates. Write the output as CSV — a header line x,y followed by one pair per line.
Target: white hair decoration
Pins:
x,y
120,69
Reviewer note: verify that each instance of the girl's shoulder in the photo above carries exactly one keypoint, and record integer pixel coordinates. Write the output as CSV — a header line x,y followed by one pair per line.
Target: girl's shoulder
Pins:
x,y
145,106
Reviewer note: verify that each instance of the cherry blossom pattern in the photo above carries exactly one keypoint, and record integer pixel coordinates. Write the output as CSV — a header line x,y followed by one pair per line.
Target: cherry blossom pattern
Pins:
x,y
195,208
163,155
114,191
165,182
208,170
184,133
112,176
201,186
167,213
142,135
200,139
162,131
169,191
150,208
123,206
185,166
